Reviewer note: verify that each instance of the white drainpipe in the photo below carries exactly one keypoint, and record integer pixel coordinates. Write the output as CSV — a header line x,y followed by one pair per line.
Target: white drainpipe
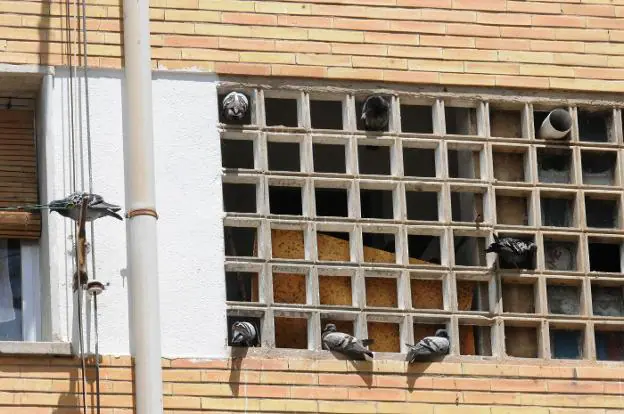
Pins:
x,y
143,296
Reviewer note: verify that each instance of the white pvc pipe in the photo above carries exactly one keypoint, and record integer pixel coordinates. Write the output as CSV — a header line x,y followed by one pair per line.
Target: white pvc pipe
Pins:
x,y
556,125
143,295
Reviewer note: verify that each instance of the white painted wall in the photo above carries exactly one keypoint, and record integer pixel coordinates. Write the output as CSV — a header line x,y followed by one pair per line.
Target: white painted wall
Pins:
x,y
189,203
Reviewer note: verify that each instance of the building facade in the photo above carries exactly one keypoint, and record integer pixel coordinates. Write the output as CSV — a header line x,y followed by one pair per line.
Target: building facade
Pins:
x,y
297,216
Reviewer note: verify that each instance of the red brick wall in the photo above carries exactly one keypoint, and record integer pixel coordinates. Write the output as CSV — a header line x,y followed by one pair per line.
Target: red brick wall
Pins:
x,y
43,385
572,44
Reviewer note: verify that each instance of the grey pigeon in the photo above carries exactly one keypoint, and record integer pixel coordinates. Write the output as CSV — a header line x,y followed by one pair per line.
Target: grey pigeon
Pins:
x,y
244,334
345,343
513,251
70,207
235,105
375,113
430,347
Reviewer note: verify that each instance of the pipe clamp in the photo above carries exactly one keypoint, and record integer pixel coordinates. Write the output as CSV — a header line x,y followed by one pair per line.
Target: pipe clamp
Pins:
x,y
142,212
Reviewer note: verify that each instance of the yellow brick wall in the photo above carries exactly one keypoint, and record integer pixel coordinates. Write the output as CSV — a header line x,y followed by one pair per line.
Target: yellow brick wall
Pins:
x,y
43,385
570,44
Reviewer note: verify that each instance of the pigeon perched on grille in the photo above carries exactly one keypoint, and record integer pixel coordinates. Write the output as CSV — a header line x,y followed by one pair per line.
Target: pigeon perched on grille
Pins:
x,y
244,334
96,207
511,250
375,113
345,344
429,348
235,106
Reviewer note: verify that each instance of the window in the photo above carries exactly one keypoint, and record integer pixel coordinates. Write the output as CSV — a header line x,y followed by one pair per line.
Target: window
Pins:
x,y
384,233
18,290
19,230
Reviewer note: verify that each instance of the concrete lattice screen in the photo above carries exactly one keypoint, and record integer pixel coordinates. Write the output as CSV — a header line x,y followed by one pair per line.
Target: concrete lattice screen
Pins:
x,y
376,231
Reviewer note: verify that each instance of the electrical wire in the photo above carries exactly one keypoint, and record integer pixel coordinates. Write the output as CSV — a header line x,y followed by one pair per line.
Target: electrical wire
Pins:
x,y
85,68
27,207
72,76
88,127
97,354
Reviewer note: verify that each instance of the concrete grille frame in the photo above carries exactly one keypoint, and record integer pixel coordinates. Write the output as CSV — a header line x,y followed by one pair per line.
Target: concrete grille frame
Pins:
x,y
483,103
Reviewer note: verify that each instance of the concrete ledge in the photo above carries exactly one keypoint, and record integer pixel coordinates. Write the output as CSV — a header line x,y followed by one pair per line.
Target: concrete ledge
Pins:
x,y
35,348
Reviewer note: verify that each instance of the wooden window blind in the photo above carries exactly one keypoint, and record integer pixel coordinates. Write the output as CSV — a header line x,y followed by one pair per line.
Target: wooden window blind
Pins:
x,y
18,174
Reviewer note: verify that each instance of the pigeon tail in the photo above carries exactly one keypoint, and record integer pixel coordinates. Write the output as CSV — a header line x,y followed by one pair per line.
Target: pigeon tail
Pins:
x,y
360,354
114,214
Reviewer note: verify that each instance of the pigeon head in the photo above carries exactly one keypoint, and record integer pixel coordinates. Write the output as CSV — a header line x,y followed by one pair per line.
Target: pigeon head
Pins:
x,y
58,206
235,106
330,327
64,206
375,105
493,248
442,333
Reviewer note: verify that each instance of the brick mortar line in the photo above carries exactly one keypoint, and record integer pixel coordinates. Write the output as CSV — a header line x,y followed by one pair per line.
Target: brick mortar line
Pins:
x,y
440,22
365,19
380,69
407,7
375,388
371,374
462,403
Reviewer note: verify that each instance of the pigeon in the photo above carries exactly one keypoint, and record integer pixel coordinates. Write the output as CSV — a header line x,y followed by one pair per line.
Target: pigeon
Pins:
x,y
512,250
429,347
244,334
70,207
345,343
235,105
375,113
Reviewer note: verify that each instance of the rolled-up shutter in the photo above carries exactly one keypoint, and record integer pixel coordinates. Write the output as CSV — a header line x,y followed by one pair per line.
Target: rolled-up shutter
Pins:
x,y
18,174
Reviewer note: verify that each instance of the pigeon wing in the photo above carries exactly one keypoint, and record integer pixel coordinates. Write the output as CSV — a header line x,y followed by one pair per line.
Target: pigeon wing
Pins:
x,y
334,341
97,203
356,350
440,345
428,348
345,344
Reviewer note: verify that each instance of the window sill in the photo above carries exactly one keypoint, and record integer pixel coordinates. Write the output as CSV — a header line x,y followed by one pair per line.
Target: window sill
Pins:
x,y
35,348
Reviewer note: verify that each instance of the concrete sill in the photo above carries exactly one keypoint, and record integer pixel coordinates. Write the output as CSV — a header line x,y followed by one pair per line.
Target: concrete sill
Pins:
x,y
35,348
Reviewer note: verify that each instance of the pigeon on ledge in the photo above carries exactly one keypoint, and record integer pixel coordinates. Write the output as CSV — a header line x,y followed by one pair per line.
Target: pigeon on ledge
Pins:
x,y
513,251
70,207
244,334
345,344
375,113
235,105
430,347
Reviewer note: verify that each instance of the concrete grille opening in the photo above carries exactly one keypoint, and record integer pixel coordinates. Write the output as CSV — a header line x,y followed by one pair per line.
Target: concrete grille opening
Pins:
x,y
237,153
506,122
419,162
417,119
326,114
566,342
595,125
283,156
329,158
564,298
281,112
